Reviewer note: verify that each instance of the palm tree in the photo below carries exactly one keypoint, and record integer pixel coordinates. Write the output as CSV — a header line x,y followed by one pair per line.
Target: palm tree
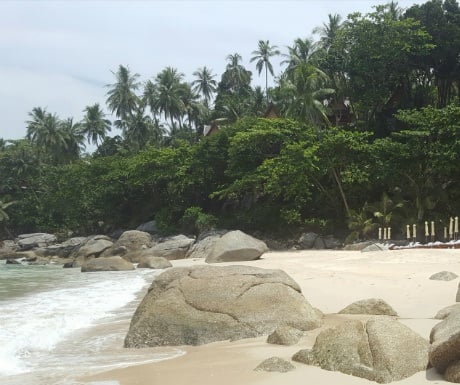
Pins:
x,y
308,92
45,130
140,128
169,91
75,141
298,54
94,125
263,55
328,31
122,99
236,78
204,84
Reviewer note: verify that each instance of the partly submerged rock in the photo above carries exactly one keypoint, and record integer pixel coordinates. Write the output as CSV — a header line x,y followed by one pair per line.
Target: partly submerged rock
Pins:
x,y
107,264
202,304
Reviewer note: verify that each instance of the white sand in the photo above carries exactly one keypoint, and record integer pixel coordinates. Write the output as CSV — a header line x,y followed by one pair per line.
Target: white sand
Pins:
x,y
330,280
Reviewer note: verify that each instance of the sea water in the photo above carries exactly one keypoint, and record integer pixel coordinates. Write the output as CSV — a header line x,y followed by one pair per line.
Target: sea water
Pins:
x,y
59,324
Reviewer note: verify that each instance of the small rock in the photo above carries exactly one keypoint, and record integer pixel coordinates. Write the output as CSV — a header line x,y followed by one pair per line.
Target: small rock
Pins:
x,y
444,276
275,364
374,306
285,335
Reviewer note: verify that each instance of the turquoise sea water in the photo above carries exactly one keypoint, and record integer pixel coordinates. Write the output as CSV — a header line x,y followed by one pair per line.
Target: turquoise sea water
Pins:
x,y
58,324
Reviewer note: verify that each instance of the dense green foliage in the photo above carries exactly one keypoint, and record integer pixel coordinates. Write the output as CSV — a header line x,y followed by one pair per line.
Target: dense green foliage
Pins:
x,y
367,135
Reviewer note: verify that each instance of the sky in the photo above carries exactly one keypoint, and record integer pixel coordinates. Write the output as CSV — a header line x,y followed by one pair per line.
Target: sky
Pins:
x,y
60,55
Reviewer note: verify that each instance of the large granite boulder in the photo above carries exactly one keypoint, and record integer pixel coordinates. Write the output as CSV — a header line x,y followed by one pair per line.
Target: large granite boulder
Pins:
x,y
445,346
203,248
202,304
106,264
236,246
92,247
154,263
446,311
134,240
64,249
380,349
374,306
30,241
173,248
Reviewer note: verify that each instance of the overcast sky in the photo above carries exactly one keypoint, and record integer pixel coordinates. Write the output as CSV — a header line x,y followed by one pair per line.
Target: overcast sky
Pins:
x,y
60,54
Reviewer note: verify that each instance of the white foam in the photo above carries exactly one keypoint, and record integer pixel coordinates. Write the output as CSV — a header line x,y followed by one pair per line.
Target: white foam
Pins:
x,y
33,325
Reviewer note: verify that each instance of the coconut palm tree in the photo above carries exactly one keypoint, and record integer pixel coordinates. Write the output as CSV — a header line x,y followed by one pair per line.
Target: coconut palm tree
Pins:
x,y
122,99
298,54
204,84
236,78
169,91
45,130
262,55
94,125
75,141
328,31
307,90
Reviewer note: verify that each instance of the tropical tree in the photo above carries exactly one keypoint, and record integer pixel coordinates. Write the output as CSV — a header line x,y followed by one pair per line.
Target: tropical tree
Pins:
x,y
74,138
45,130
236,79
204,84
263,54
94,124
168,95
121,97
299,53
305,92
328,31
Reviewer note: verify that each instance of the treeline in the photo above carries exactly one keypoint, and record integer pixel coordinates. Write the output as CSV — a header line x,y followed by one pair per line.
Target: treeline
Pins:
x,y
366,135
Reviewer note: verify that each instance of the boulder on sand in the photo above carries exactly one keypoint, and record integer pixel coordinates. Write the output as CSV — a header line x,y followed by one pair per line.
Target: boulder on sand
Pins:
x,y
285,335
373,306
154,263
445,346
380,349
172,248
107,264
202,304
275,364
236,246
444,276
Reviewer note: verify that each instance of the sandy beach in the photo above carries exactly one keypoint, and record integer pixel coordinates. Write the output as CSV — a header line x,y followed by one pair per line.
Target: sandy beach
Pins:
x,y
330,280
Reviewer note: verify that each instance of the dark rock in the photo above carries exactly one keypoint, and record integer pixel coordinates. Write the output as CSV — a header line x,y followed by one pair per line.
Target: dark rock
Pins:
x,y
148,227
10,261
29,241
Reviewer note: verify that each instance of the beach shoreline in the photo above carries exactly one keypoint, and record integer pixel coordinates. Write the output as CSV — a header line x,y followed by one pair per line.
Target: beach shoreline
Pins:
x,y
330,280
